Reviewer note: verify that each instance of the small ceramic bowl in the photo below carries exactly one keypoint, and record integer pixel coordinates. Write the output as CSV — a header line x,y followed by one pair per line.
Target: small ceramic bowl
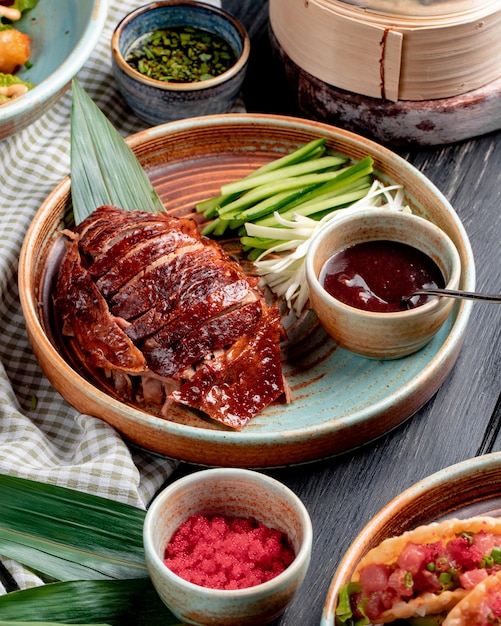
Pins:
x,y
156,101
231,493
63,36
374,334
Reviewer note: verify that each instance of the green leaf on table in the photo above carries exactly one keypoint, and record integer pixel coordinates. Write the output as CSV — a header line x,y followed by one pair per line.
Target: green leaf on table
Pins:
x,y
69,535
104,169
32,623
113,602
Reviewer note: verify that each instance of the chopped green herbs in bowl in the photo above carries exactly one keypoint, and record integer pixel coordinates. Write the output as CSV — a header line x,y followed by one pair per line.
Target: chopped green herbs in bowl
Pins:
x,y
181,54
175,59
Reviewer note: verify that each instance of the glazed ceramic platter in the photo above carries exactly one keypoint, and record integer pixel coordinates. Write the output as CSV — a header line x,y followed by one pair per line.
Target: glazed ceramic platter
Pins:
x,y
467,489
341,401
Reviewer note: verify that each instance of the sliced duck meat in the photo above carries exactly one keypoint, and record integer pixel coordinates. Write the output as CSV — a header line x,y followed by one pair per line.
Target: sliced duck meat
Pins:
x,y
163,279
85,315
168,315
241,382
98,236
171,358
125,243
128,265
189,309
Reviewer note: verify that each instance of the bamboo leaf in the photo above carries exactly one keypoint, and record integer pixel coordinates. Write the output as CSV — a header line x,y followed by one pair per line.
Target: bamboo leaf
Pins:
x,y
67,534
104,170
114,602
10,623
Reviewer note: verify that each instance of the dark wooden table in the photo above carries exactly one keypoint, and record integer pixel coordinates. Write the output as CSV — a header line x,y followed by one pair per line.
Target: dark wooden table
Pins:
x,y
463,419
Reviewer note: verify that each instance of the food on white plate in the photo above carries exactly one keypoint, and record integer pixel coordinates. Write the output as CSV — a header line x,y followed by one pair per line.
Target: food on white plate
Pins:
x,y
481,607
169,316
15,49
423,572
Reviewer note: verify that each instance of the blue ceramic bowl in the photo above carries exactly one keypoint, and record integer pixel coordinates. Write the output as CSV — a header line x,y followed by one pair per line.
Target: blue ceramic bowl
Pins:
x,y
155,101
64,33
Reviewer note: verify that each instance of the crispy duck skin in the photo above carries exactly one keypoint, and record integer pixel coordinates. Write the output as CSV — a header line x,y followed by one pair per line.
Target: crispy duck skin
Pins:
x,y
149,299
238,384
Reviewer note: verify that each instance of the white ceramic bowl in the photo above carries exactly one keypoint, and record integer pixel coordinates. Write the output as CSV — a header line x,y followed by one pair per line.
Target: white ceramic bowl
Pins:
x,y
155,101
63,34
231,493
374,334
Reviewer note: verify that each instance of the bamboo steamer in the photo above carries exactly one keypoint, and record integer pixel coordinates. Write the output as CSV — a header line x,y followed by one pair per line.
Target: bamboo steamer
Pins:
x,y
393,49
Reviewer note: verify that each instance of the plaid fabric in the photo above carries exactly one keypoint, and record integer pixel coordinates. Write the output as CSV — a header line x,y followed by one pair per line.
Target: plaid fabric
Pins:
x,y
41,436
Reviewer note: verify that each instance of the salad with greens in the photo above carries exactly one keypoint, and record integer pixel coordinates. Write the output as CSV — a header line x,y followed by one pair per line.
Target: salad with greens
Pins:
x,y
15,49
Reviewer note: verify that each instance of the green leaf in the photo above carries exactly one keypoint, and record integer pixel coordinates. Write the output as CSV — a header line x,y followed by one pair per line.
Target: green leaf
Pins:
x,y
11,623
24,5
114,602
67,534
103,168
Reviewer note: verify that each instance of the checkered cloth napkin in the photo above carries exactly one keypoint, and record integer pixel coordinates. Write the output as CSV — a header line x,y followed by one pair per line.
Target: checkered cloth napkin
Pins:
x,y
41,436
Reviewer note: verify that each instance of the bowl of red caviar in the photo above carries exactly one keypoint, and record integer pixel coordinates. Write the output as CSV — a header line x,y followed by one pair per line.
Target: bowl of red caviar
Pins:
x,y
227,546
362,269
174,59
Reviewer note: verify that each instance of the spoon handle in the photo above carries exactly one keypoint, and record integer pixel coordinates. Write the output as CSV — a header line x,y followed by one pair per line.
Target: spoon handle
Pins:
x,y
457,293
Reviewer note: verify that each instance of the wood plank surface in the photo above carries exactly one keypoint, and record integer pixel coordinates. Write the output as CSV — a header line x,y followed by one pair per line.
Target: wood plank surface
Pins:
x,y
462,420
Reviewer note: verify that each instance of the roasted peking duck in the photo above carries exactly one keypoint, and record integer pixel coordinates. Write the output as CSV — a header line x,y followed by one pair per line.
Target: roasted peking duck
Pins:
x,y
169,316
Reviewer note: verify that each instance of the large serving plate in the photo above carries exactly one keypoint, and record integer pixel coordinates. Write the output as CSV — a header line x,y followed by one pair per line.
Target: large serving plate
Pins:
x,y
341,401
470,488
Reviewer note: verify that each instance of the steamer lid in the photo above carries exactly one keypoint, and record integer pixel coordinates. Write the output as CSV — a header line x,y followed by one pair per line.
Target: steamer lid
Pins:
x,y
417,8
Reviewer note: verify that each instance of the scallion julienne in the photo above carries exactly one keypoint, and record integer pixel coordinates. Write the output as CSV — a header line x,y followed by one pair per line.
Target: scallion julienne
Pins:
x,y
281,265
311,150
277,209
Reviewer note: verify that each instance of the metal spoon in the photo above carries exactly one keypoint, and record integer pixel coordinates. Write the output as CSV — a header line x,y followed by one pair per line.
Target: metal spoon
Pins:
x,y
455,293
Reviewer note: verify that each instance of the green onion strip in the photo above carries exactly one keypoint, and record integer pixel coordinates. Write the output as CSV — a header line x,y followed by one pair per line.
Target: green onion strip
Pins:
x,y
278,208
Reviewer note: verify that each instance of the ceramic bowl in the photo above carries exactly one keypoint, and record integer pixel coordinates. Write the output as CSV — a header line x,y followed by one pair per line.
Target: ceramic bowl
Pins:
x,y
155,101
62,41
466,489
231,493
381,335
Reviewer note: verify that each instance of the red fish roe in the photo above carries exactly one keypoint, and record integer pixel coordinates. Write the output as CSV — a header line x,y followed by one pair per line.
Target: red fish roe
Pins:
x,y
227,553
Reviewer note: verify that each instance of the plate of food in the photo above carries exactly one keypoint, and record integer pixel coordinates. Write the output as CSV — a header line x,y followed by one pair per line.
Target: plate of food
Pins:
x,y
43,45
334,400
441,539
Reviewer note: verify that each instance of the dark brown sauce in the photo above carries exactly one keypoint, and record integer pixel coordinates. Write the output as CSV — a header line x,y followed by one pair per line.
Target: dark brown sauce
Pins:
x,y
377,275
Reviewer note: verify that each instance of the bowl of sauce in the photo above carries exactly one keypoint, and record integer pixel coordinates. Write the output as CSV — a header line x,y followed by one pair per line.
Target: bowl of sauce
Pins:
x,y
362,267
174,59
227,546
